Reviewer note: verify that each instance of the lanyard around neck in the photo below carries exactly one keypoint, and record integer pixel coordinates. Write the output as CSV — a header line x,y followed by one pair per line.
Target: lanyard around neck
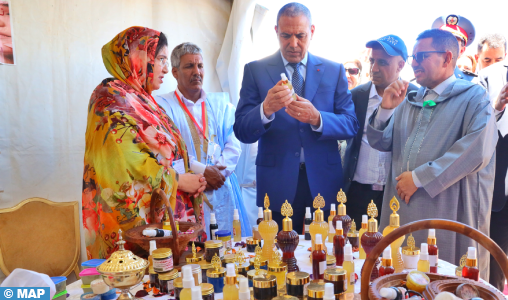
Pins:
x,y
202,130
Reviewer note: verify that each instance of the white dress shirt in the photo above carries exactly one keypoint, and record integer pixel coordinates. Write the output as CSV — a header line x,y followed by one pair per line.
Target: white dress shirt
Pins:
x,y
303,72
373,165
232,148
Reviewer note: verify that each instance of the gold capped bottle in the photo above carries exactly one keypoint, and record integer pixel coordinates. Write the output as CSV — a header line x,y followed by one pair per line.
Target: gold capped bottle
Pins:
x,y
341,213
371,237
288,239
424,264
268,229
319,225
363,229
398,263
230,291
332,215
166,225
237,227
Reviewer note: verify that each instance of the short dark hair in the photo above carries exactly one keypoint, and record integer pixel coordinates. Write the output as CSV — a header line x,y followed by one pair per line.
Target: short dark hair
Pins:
x,y
494,40
163,41
442,40
294,9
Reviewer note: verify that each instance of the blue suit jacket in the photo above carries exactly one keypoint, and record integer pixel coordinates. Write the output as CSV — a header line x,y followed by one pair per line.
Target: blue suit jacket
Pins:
x,y
280,141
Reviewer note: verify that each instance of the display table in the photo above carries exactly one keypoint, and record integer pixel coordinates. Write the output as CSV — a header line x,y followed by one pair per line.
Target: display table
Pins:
x,y
301,254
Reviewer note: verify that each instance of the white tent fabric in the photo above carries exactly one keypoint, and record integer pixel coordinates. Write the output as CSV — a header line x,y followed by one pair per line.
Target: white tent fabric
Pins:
x,y
44,97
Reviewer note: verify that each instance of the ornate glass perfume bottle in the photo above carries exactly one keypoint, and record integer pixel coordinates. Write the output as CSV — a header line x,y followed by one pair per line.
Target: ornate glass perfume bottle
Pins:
x,y
341,213
319,225
398,264
372,236
288,239
268,229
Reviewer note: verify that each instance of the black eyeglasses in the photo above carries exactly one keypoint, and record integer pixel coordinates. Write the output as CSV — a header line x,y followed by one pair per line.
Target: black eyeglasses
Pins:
x,y
353,71
419,57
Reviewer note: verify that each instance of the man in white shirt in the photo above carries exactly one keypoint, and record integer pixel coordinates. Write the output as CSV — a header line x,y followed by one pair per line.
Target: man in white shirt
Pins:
x,y
365,168
205,121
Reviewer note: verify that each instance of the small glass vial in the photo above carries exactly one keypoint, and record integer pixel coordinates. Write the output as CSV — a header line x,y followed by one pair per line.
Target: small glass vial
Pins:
x,y
386,263
166,282
178,285
265,287
316,290
337,277
207,291
216,275
296,284
433,251
307,223
470,270
318,259
423,263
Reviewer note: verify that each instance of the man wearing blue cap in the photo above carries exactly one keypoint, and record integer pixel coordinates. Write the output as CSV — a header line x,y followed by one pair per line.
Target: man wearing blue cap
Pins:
x,y
365,168
464,32
442,141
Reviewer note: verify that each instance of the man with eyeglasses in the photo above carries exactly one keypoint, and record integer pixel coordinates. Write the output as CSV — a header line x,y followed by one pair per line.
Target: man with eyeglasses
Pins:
x,y
442,139
205,121
464,32
365,168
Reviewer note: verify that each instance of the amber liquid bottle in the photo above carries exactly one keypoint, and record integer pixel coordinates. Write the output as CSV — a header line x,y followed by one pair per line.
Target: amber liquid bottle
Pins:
x,y
470,270
288,239
338,244
372,236
433,251
341,213
318,259
268,229
386,263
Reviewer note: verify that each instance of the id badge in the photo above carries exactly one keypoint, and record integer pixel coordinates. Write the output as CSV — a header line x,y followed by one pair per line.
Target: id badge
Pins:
x,y
179,166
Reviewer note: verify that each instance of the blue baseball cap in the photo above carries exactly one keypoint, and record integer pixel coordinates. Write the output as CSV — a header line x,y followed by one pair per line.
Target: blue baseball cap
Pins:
x,y
392,44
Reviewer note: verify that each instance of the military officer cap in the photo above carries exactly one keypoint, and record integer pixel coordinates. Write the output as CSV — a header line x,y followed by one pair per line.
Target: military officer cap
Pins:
x,y
460,26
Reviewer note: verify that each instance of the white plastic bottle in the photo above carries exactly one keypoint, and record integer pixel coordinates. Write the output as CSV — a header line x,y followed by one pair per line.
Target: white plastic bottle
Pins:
x,y
196,293
237,227
329,291
244,292
187,282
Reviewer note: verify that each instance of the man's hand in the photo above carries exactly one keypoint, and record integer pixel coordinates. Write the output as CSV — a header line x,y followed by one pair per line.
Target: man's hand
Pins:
x,y
405,186
214,177
502,100
304,111
277,97
394,94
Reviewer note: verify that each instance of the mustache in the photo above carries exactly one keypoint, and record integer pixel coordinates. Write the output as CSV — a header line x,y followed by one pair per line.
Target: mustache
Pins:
x,y
417,68
196,77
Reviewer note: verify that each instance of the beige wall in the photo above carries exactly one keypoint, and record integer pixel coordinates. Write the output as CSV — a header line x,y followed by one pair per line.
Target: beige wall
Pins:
x,y
44,98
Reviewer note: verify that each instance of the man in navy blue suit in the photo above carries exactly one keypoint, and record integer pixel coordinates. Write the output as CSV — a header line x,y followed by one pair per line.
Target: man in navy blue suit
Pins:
x,y
298,155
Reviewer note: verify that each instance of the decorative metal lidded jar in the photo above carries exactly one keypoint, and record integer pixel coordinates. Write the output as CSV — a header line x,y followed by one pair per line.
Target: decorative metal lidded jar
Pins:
x,y
216,274
288,239
123,270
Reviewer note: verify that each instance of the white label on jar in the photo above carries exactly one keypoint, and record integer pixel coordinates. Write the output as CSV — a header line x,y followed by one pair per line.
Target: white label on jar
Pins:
x,y
213,234
322,267
221,253
433,260
345,283
352,278
306,228
163,265
227,244
305,286
171,286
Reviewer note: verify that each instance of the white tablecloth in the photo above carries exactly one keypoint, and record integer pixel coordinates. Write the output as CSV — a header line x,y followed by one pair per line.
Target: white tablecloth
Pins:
x,y
301,254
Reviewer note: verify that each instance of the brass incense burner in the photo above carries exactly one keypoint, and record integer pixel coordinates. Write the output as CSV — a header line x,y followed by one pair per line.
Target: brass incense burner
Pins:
x,y
123,270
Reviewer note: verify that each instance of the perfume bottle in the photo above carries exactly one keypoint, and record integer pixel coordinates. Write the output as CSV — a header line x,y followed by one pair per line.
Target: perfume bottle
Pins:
x,y
268,229
372,236
166,224
331,231
318,226
353,236
213,226
341,213
307,222
230,291
285,81
318,259
188,283
394,224
288,239
423,263
470,270
386,263
365,220
332,212
433,250
260,215
338,244
349,267
237,227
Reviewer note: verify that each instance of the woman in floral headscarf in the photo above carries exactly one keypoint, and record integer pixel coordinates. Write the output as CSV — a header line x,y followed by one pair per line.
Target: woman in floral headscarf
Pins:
x,y
131,144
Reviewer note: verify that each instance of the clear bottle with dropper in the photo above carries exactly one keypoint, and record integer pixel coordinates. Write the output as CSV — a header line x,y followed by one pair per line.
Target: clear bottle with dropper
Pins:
x,y
237,227
470,270
196,293
187,282
349,266
285,81
329,291
244,291
230,291
307,222
423,263
213,226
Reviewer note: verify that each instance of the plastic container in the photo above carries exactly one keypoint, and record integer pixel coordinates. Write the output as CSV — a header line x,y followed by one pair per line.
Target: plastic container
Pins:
x,y
417,281
90,296
93,263
99,287
87,289
60,296
89,275
109,295
60,284
225,237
